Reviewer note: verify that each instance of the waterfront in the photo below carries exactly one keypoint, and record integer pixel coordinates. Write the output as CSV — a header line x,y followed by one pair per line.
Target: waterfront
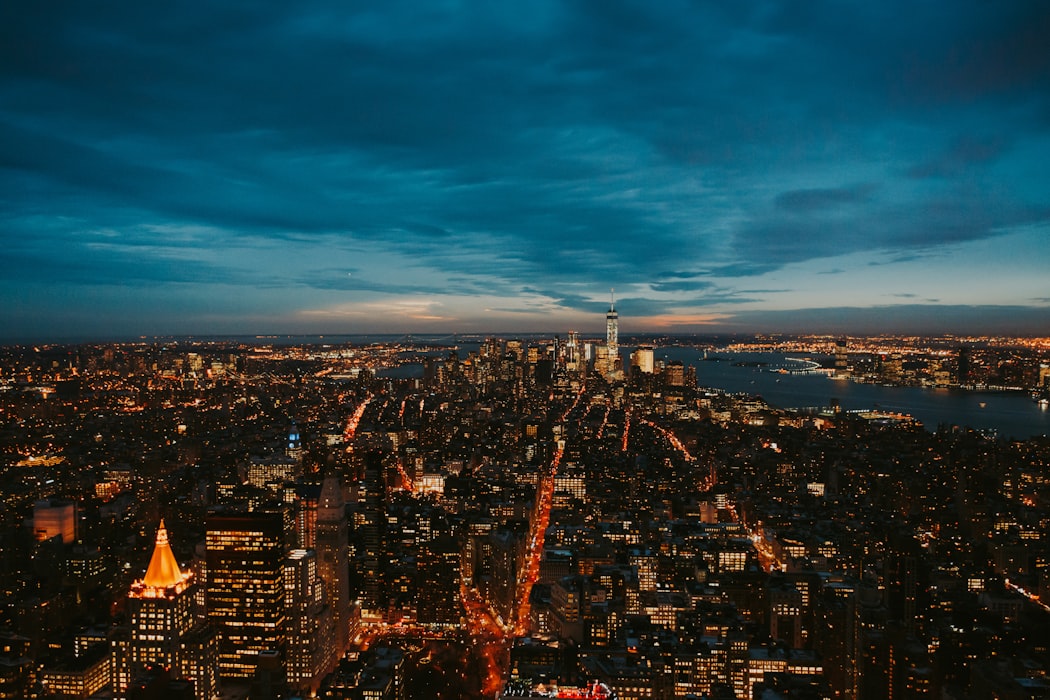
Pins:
x,y
1010,414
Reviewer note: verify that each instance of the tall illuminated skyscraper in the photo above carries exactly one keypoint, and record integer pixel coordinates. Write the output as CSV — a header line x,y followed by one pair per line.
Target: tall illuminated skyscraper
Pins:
x,y
246,595
311,651
608,361
162,629
841,359
572,352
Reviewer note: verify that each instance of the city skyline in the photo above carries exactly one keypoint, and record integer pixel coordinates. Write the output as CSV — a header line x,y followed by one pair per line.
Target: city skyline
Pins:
x,y
414,168
517,520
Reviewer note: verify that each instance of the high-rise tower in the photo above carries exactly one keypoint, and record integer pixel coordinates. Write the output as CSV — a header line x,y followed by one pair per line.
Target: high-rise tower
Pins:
x,y
841,359
607,360
333,555
311,651
162,629
246,597
572,352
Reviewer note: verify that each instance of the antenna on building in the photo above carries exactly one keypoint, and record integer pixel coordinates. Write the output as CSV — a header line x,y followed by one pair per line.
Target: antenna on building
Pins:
x,y
612,298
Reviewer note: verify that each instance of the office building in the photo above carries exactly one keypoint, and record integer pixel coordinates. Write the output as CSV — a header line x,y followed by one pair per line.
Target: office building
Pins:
x,y
245,596
54,518
311,649
642,358
333,555
162,629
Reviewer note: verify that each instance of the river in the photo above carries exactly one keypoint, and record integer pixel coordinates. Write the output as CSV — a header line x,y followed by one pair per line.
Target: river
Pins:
x,y
1009,414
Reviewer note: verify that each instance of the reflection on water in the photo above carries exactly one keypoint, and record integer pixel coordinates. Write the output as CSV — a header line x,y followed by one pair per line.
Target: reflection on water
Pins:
x,y
1010,414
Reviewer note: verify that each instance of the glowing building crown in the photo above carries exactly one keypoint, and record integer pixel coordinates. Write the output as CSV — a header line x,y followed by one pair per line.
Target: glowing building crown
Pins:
x,y
163,572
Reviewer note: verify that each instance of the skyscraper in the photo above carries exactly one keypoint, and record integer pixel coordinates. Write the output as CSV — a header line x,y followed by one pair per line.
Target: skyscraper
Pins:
x,y
642,358
311,651
162,629
607,361
294,450
333,555
245,597
841,359
439,574
572,352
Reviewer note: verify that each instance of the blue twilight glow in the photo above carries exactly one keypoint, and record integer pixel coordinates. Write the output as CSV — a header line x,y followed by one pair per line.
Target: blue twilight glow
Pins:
x,y
407,166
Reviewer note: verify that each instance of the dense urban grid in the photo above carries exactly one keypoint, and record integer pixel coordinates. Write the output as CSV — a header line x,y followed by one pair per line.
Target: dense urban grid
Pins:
x,y
524,518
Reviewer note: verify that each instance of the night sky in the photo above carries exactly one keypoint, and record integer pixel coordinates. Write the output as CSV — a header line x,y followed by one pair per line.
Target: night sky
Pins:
x,y
231,167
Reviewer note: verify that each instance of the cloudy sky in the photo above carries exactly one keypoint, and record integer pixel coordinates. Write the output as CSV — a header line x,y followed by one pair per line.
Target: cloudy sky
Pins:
x,y
428,165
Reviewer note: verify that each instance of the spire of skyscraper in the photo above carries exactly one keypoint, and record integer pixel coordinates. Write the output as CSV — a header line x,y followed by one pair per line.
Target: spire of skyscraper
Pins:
x,y
163,570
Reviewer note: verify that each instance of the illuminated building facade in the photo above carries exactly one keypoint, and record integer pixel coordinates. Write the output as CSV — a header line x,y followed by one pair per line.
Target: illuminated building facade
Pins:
x,y
674,374
439,567
294,448
80,677
246,595
642,358
52,518
841,360
569,486
607,359
162,628
303,498
311,651
591,691
273,472
573,359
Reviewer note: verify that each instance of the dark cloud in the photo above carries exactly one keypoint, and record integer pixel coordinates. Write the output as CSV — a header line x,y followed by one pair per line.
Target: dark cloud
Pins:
x,y
680,274
556,146
909,228
681,286
745,268
963,154
896,258
808,201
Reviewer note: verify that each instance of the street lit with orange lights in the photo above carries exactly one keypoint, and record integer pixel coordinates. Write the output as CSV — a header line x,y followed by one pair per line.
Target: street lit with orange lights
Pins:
x,y
605,421
626,431
671,437
351,424
538,533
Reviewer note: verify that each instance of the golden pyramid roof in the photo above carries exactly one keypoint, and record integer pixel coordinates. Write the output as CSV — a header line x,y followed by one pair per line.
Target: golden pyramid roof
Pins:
x,y
163,571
